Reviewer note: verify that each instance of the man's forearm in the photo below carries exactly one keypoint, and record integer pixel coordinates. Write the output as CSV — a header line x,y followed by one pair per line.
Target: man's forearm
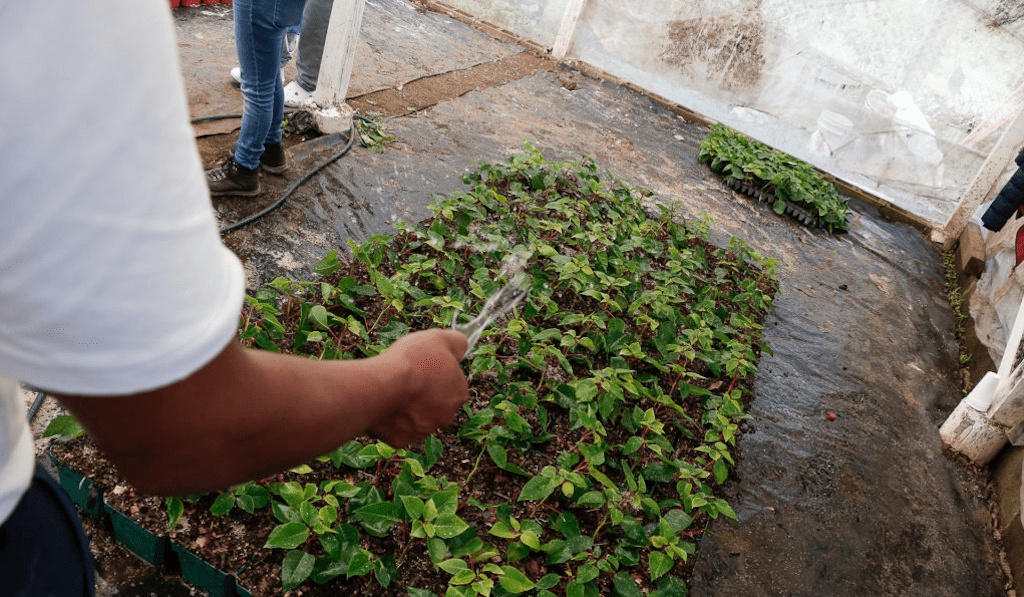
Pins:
x,y
249,413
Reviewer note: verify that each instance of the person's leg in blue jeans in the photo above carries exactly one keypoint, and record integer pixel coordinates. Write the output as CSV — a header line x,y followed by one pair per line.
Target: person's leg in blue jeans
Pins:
x,y
291,43
43,550
259,33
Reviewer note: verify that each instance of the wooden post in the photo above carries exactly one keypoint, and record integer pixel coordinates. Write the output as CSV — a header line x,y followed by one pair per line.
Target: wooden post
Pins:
x,y
331,112
1002,154
567,30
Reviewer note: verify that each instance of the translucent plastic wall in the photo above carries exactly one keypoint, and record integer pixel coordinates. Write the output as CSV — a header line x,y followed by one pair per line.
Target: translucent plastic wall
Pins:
x,y
902,98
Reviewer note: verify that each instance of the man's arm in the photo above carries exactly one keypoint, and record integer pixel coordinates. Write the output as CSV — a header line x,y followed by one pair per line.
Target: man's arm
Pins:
x,y
251,413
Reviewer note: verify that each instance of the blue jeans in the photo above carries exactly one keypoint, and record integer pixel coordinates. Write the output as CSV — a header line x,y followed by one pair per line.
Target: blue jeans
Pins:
x,y
260,27
43,551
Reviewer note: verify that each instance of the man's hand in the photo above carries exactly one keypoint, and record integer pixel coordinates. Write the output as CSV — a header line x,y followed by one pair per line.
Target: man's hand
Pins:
x,y
437,385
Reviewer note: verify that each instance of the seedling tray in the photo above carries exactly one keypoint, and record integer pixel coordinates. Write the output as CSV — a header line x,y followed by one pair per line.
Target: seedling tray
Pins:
x,y
83,492
203,575
148,546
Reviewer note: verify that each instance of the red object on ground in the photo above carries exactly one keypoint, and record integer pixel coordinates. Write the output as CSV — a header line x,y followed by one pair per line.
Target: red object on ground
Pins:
x,y
175,3
190,2
1020,245
831,416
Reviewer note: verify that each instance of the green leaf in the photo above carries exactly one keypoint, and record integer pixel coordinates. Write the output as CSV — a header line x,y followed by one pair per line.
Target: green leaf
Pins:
x,y
575,589
659,564
446,502
288,536
514,581
721,471
295,568
432,449
453,566
449,525
462,577
65,427
309,513
504,530
623,585
413,506
328,265
587,573
360,565
328,567
591,499
175,508
250,496
725,508
328,514
548,581
537,488
318,315
393,330
566,524
284,513
677,520
414,592
530,539
378,517
292,493
386,570
437,549
223,504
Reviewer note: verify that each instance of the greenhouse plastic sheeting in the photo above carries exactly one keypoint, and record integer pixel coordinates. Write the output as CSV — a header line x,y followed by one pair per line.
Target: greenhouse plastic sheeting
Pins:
x,y
904,98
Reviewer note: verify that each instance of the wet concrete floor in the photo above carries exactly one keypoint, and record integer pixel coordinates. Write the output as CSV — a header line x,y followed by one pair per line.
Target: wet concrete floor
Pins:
x,y
866,504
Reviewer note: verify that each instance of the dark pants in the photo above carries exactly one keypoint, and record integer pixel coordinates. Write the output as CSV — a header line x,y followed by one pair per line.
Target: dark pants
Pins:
x,y
43,550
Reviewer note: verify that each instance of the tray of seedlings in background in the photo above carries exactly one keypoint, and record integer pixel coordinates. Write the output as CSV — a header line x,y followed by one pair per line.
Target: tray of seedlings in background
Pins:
x,y
788,185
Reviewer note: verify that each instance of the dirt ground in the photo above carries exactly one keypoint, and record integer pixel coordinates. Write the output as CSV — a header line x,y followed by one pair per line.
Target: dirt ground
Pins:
x,y
416,95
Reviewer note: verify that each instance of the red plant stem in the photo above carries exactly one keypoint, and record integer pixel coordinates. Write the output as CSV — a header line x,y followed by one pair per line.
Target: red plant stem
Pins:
x,y
733,382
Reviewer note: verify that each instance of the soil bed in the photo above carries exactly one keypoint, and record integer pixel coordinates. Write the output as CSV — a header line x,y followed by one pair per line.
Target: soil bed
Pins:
x,y
602,422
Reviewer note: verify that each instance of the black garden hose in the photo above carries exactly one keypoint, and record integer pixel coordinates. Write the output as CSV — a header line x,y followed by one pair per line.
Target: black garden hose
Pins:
x,y
36,404
297,184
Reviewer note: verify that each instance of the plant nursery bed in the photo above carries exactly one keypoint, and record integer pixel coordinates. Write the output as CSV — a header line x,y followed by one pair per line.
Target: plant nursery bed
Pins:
x,y
790,186
601,428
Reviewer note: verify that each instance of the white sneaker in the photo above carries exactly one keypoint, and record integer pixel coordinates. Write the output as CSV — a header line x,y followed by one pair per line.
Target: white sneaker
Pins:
x,y
294,94
236,74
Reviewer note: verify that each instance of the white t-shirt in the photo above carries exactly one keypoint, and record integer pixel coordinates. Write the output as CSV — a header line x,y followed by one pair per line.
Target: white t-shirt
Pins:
x,y
113,279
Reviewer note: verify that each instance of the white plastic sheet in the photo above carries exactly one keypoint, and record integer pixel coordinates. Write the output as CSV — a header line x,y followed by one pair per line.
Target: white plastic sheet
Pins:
x,y
903,98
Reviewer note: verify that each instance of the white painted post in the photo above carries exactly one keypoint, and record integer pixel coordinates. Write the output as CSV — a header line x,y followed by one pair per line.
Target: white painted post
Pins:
x,y
567,30
977,427
1002,155
328,105
1008,404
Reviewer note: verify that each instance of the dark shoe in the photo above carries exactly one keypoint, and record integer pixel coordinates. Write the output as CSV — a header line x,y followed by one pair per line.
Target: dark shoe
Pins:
x,y
273,160
233,179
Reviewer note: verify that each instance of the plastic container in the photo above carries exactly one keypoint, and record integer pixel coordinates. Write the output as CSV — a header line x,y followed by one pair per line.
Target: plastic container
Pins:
x,y
83,492
203,575
148,546
833,132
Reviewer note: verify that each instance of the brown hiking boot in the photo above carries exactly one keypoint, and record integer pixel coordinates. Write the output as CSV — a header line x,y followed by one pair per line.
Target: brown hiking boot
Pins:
x,y
233,179
273,160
